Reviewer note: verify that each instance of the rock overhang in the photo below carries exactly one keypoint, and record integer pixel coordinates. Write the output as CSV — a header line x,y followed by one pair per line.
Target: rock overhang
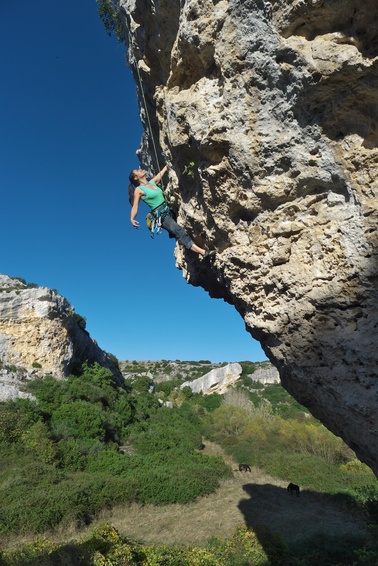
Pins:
x,y
275,110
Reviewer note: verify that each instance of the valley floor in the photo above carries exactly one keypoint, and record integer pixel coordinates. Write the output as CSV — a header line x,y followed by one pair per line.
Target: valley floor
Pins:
x,y
252,498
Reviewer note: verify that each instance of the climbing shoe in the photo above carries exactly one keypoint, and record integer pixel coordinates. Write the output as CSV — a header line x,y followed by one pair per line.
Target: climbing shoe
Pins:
x,y
209,253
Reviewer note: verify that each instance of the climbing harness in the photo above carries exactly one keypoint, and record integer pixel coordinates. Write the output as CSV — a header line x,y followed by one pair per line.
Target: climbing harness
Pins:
x,y
155,217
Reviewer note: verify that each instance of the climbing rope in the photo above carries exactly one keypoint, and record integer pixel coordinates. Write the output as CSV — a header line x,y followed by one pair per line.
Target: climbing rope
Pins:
x,y
149,126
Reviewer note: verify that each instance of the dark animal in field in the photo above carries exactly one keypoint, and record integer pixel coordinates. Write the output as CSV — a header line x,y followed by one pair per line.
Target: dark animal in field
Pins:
x,y
244,468
293,488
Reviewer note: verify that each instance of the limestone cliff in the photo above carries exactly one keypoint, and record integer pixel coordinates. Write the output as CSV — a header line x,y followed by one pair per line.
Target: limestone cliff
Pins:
x,y
39,334
218,380
267,115
268,375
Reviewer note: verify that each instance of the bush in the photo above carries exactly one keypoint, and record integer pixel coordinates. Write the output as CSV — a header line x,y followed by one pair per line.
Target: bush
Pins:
x,y
15,418
73,453
109,462
169,429
209,402
314,439
105,547
167,386
368,495
282,402
49,393
164,478
78,420
37,439
142,384
32,505
114,359
81,320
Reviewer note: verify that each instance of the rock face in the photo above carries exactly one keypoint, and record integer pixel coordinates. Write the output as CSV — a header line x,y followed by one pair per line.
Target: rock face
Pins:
x,y
11,385
216,381
267,115
39,335
267,376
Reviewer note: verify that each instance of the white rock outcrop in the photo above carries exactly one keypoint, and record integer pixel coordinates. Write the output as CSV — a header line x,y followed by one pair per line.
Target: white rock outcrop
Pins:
x,y
266,376
39,334
11,385
216,381
267,114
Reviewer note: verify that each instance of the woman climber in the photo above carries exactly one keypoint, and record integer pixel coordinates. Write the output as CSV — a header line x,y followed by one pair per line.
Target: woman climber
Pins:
x,y
153,196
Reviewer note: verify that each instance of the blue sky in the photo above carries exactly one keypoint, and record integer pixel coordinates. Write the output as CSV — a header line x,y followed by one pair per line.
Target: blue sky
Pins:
x,y
69,132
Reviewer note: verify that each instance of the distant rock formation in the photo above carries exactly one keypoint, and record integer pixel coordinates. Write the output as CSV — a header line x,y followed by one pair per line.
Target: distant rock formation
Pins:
x,y
40,335
266,375
216,381
267,114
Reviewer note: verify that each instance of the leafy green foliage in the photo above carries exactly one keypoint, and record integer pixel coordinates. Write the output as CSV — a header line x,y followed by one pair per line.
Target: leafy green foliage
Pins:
x,y
189,169
81,320
87,443
38,439
209,402
167,387
114,359
142,384
108,10
67,447
106,547
300,449
169,430
282,403
15,417
79,419
368,495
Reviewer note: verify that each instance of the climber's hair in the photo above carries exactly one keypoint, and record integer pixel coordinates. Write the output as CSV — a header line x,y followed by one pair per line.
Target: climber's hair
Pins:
x,y
133,183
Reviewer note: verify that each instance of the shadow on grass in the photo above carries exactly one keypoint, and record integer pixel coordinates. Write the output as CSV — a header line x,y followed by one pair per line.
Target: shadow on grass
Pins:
x,y
69,554
313,528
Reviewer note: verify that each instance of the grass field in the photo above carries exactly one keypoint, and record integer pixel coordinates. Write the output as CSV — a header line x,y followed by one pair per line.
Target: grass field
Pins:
x,y
253,499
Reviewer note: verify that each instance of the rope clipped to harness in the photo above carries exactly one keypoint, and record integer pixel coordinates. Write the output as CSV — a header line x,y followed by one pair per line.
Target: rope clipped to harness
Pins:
x,y
154,219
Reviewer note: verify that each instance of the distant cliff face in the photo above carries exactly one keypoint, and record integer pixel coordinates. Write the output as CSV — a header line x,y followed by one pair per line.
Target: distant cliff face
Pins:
x,y
218,380
267,113
39,333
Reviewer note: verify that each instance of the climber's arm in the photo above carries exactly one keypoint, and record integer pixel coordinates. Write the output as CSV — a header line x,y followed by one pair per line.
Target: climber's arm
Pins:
x,y
134,210
160,175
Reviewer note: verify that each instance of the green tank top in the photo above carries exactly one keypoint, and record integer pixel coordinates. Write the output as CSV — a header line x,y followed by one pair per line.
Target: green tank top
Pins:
x,y
152,197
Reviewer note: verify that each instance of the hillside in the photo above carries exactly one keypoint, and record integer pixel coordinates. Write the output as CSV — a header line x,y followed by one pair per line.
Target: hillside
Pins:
x,y
164,370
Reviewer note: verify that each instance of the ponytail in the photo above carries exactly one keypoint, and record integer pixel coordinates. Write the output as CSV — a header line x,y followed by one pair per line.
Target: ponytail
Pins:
x,y
131,194
133,184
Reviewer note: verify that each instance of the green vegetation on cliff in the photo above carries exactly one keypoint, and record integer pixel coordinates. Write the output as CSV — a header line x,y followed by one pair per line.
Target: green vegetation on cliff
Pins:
x,y
108,11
